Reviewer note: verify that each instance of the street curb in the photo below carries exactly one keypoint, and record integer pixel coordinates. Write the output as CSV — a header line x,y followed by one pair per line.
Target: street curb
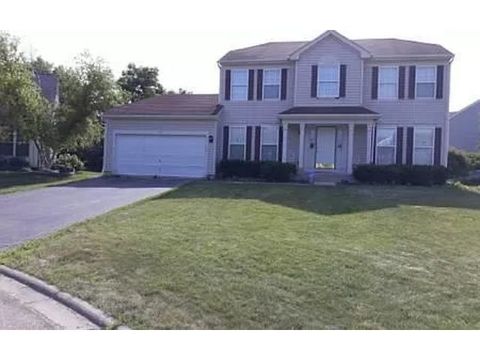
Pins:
x,y
83,308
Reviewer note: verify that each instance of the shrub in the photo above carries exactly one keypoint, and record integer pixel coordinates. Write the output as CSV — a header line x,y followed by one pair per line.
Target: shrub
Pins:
x,y
13,163
401,174
69,161
92,157
458,162
473,160
265,170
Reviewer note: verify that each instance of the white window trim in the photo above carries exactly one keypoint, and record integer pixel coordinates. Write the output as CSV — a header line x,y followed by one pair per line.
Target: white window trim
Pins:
x,y
432,128
395,97
232,71
279,84
276,129
319,81
394,145
426,82
230,143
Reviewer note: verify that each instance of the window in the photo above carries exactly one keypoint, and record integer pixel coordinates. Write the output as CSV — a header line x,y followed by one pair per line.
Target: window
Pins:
x,y
269,143
424,139
386,145
237,142
425,81
328,81
387,82
239,90
271,83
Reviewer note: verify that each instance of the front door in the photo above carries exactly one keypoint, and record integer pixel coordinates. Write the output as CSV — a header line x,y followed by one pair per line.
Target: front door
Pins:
x,y
325,151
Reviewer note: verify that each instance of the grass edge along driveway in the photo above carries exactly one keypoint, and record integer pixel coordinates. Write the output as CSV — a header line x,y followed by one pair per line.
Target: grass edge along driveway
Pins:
x,y
216,255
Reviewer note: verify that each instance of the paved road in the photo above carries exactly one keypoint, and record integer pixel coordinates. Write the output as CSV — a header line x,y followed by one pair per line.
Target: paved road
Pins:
x,y
32,214
22,308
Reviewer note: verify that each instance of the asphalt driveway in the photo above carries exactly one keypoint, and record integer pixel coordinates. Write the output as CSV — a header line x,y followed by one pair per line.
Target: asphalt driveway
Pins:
x,y
31,214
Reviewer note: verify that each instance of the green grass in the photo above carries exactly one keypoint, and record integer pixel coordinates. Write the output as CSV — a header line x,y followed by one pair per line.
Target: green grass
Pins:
x,y
13,181
243,256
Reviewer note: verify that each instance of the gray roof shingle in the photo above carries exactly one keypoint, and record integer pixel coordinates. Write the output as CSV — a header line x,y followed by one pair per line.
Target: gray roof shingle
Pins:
x,y
329,110
171,105
49,85
281,51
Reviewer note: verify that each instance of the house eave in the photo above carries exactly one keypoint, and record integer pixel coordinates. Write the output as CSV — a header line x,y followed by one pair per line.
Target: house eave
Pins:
x,y
307,117
161,117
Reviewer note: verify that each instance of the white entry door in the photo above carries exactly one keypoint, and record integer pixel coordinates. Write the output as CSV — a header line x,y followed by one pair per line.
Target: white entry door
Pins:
x,y
325,151
161,155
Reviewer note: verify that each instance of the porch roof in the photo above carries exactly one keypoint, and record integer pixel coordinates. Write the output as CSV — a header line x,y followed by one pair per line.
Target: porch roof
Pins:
x,y
328,110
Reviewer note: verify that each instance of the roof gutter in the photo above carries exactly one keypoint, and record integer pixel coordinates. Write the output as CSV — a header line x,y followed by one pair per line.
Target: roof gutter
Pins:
x,y
160,117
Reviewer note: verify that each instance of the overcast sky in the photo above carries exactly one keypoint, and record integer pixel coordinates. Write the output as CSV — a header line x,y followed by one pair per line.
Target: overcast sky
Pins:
x,y
184,39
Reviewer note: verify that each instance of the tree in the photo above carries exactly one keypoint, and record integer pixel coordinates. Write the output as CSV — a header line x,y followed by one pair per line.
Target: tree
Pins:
x,y
41,66
179,92
140,82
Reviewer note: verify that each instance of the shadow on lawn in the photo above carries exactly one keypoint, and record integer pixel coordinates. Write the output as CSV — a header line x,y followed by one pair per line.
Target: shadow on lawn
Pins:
x,y
333,200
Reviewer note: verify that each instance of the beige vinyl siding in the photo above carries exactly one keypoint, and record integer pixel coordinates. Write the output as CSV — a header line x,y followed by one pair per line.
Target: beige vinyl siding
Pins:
x,y
208,127
329,51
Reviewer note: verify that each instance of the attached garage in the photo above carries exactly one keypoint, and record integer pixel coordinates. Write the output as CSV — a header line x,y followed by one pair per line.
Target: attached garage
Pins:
x,y
169,135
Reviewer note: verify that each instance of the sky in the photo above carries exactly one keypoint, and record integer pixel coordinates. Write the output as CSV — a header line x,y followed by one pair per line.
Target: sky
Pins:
x,y
184,39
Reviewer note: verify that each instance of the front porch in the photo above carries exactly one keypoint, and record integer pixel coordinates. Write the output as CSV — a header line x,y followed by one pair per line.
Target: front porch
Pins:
x,y
324,140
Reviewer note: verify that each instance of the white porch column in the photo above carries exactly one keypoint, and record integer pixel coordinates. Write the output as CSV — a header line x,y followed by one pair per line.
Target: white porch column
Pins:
x,y
301,149
369,143
351,128
14,152
284,142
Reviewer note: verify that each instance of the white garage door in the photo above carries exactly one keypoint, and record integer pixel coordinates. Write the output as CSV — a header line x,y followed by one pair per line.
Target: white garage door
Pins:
x,y
161,155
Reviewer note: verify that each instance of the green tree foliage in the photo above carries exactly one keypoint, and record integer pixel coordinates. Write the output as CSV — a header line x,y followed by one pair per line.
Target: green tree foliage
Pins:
x,y
140,82
41,66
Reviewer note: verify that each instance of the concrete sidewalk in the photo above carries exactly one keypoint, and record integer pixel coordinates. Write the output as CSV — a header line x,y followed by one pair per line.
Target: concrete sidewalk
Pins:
x,y
22,308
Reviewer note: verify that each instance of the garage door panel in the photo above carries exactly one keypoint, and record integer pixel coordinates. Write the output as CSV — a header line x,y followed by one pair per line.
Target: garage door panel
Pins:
x,y
161,155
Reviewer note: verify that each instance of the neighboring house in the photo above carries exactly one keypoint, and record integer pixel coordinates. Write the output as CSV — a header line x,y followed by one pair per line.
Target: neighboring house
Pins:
x,y
14,145
465,128
325,105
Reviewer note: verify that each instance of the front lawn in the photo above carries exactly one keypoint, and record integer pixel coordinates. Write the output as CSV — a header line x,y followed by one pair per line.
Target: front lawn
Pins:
x,y
224,255
13,181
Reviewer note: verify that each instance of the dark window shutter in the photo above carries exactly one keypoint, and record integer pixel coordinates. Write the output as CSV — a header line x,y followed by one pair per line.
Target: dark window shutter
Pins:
x,y
409,145
343,81
225,142
259,84
411,82
248,147
313,86
440,71
375,82
401,82
258,130
280,143
374,144
283,91
438,146
251,83
399,145
228,83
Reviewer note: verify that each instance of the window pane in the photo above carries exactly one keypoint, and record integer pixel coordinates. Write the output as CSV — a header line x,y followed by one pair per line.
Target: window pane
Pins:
x,y
239,77
387,91
237,152
328,73
385,155
269,152
423,137
237,135
388,75
425,74
425,90
239,92
423,156
271,92
385,137
271,77
269,135
328,89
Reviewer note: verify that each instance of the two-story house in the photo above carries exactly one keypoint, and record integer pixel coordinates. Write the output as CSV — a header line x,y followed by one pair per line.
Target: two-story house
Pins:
x,y
325,105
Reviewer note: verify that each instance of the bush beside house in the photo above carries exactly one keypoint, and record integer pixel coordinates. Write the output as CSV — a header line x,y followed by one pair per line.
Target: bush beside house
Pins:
x,y
270,171
401,174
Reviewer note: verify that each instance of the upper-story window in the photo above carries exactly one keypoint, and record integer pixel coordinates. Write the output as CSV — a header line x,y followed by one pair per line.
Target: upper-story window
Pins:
x,y
271,84
425,82
328,80
239,86
387,82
